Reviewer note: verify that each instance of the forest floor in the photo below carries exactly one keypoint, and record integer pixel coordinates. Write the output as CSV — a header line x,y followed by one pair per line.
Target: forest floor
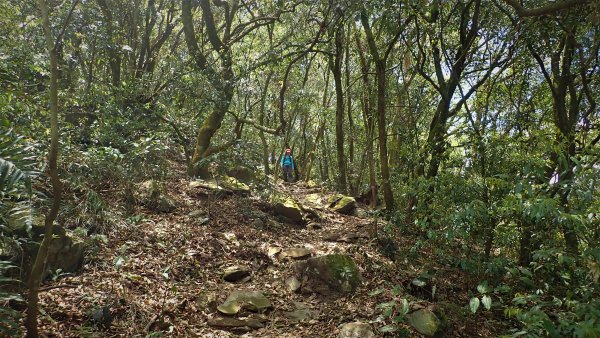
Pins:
x,y
161,273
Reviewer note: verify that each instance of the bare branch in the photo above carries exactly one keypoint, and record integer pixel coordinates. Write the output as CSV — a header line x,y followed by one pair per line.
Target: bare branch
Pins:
x,y
546,9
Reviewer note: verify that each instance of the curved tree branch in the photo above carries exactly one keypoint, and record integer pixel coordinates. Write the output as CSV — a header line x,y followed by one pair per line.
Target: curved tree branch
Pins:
x,y
546,9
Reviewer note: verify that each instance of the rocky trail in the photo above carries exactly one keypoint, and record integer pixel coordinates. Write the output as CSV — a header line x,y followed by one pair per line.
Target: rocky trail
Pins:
x,y
221,260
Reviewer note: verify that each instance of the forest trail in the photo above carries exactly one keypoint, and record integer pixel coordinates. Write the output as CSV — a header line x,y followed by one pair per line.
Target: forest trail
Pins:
x,y
163,272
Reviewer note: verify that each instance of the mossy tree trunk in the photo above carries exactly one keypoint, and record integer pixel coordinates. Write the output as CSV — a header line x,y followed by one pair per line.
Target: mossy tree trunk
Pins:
x,y
381,78
368,120
220,75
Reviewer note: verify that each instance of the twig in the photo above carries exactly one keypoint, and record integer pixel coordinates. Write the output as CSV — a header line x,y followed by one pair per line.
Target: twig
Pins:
x,y
47,288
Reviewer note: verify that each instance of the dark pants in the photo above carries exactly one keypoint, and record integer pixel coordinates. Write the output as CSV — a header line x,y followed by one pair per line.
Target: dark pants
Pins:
x,y
288,173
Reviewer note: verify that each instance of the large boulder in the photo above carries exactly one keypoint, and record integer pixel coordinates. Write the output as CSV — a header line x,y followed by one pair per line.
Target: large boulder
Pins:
x,y
328,275
66,252
286,206
343,204
152,194
242,174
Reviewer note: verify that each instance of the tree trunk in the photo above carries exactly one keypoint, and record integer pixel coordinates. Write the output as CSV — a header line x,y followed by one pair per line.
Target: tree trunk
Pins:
x,y
37,270
351,169
388,196
369,123
380,75
222,82
335,64
114,57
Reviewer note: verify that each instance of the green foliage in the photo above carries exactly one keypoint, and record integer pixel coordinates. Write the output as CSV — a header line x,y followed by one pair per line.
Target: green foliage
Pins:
x,y
17,170
9,318
393,311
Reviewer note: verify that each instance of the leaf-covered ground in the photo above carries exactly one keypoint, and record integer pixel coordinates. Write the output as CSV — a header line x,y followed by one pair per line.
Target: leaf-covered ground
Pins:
x,y
161,273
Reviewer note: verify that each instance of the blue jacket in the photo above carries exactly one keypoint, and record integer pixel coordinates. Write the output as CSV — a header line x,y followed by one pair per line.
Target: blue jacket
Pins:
x,y
287,160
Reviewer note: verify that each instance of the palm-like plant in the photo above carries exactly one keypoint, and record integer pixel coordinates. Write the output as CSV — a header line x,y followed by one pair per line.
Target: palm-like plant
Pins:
x,y
17,168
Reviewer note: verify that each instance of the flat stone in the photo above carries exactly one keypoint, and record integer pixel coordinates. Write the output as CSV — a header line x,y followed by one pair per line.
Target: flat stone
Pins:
x,y
197,214
295,253
236,274
356,330
244,299
272,251
234,185
301,313
345,237
234,323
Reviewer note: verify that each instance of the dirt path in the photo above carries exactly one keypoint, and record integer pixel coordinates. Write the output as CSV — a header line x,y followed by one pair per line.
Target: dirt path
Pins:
x,y
162,272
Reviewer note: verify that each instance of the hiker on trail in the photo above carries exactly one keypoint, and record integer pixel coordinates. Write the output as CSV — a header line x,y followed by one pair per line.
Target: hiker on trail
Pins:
x,y
287,165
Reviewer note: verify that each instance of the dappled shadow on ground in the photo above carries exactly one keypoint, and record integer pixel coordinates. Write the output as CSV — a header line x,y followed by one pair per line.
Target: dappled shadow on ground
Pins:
x,y
162,272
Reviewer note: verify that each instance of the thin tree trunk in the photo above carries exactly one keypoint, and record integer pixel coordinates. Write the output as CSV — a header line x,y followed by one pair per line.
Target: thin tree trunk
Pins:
x,y
380,74
335,63
369,123
37,270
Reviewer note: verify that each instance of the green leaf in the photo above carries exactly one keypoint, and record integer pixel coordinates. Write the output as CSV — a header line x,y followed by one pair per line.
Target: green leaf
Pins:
x,y
405,307
551,328
388,328
486,301
474,304
375,292
483,287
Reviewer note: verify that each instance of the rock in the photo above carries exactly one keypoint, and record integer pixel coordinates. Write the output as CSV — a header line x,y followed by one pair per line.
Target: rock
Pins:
x,y
242,174
234,323
273,250
342,204
223,184
287,207
295,253
292,284
236,273
237,187
424,321
346,237
301,313
152,194
244,300
197,214
356,330
102,316
209,185
327,275
257,223
208,301
313,199
66,252
199,217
